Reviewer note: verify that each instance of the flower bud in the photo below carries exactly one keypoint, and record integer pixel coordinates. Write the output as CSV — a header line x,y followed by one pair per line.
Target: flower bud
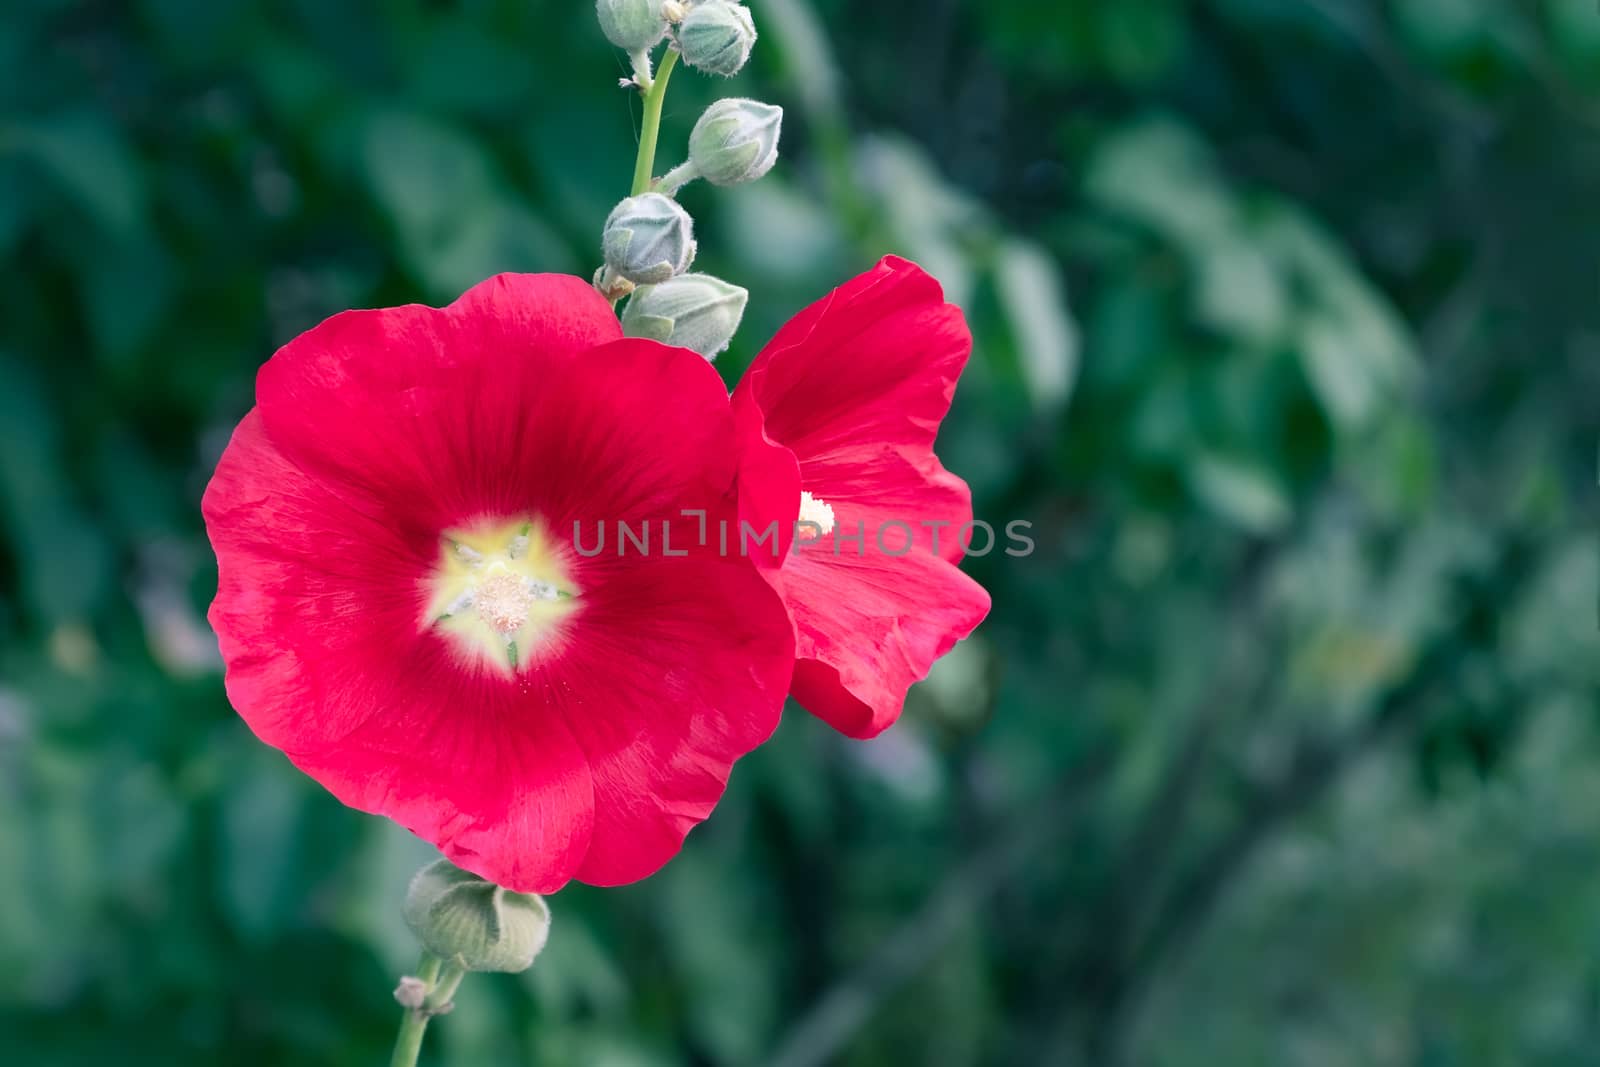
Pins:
x,y
648,239
472,923
694,311
631,24
716,36
735,141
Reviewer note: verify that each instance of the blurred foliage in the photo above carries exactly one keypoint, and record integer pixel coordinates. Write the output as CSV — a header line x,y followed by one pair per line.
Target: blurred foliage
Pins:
x,y
1280,749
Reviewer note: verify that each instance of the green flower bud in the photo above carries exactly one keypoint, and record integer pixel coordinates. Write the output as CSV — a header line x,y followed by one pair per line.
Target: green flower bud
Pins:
x,y
716,36
649,238
735,141
631,24
694,311
474,924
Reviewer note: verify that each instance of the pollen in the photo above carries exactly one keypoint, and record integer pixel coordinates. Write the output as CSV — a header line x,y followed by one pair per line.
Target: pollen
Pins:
x,y
502,602
501,592
816,517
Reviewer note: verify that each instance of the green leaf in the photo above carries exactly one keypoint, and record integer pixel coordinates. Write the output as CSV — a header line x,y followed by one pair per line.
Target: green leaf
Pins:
x,y
1339,372
462,67
16,204
455,223
1042,327
1141,39
1240,292
1241,491
128,288
930,219
801,43
259,866
1450,28
1575,36
779,231
1160,175
1356,352
88,159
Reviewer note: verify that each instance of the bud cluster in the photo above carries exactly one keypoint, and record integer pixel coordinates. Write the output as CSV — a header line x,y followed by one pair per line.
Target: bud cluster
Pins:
x,y
648,242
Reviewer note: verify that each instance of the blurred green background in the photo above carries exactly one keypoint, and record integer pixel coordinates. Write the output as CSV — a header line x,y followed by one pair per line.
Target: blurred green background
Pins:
x,y
1280,750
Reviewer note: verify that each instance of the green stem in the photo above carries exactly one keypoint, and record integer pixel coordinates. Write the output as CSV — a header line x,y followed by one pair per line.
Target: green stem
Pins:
x,y
408,1044
444,990
641,68
676,178
653,97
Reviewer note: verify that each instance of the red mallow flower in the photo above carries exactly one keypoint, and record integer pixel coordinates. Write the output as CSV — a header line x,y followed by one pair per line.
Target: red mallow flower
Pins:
x,y
403,612
837,418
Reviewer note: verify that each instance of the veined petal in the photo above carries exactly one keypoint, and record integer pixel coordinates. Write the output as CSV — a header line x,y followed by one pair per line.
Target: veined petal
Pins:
x,y
853,389
869,627
875,361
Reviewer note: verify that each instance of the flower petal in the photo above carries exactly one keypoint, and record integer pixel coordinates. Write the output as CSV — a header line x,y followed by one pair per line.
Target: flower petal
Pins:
x,y
869,626
316,612
429,396
875,361
891,497
854,388
769,479
692,668
688,655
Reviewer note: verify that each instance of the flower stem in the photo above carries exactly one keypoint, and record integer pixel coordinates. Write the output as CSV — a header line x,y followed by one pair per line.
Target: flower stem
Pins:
x,y
676,178
651,128
641,68
441,982
442,999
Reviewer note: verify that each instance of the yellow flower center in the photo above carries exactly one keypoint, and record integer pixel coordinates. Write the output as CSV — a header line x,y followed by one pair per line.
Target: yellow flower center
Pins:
x,y
500,591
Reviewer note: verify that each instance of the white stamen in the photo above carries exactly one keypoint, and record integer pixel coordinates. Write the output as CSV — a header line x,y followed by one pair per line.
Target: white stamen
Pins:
x,y
458,605
502,602
816,517
538,590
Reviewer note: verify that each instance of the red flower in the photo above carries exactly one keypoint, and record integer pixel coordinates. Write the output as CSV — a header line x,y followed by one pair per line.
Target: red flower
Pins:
x,y
403,613
837,418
